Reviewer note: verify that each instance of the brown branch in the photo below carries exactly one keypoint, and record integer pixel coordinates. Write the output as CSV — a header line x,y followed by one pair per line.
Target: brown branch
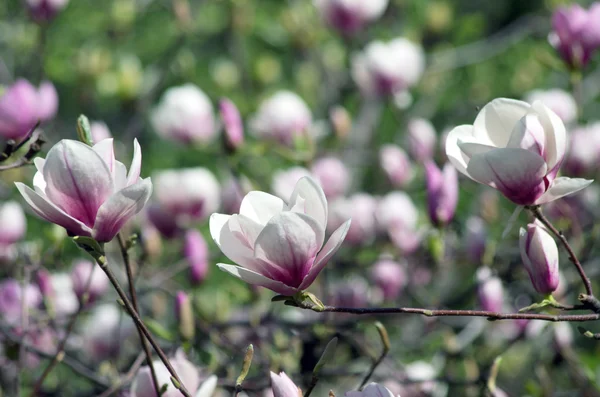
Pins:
x,y
537,212
34,149
134,300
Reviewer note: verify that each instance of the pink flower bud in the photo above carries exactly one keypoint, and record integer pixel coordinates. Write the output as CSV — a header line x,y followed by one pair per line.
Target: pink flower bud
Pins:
x,y
475,239
442,192
45,10
189,195
390,277
232,123
350,16
396,165
281,118
185,115
333,176
81,273
11,298
421,139
185,315
283,386
196,253
540,257
12,223
99,131
86,190
490,290
361,208
44,282
576,33
18,110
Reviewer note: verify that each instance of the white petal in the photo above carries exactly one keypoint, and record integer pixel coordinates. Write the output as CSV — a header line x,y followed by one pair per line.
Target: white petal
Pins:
x,y
556,136
44,208
207,389
257,279
563,186
216,224
471,149
261,206
329,249
462,133
136,164
496,121
39,164
106,151
226,232
315,203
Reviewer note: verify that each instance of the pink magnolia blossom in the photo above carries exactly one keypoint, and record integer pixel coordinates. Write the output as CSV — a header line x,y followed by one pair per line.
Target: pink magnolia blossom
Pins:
x,y
12,223
576,33
84,270
396,165
22,106
390,277
232,123
283,386
489,291
185,115
44,10
540,256
349,16
277,245
361,208
516,148
85,190
333,175
11,299
195,251
421,139
442,192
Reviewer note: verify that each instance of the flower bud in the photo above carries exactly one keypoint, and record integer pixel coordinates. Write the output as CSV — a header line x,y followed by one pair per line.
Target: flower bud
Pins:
x,y
390,277
442,192
12,223
283,386
185,115
475,239
540,257
489,291
350,16
195,252
333,176
232,123
45,10
80,275
396,165
576,33
421,139
19,110
185,315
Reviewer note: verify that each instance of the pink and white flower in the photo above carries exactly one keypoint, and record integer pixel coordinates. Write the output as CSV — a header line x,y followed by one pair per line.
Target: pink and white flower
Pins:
x,y
86,190
277,245
540,257
516,148
283,386
349,16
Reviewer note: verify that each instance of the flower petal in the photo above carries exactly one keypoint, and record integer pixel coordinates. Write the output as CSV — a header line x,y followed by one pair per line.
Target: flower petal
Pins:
x,y
77,180
309,198
556,136
517,173
495,122
329,249
261,206
463,134
106,151
289,242
471,149
216,223
136,164
563,186
228,235
47,210
119,208
257,279
207,388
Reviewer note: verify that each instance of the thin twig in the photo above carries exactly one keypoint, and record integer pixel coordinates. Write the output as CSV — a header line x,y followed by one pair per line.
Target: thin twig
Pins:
x,y
134,300
537,212
34,149
384,351
101,260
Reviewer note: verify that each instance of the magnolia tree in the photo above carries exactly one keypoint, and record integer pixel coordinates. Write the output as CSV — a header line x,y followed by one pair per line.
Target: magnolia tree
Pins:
x,y
363,251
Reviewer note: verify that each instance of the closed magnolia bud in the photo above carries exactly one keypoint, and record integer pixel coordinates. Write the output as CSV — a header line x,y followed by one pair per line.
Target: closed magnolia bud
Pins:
x,y
421,139
576,33
390,277
185,315
396,165
195,251
283,386
333,176
232,124
489,291
540,257
442,192
87,276
44,10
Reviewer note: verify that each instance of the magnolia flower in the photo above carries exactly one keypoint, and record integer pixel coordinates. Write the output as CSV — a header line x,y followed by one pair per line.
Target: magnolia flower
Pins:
x,y
390,277
105,330
85,190
361,208
540,256
44,10
576,33
396,165
559,101
84,271
284,181
232,123
516,148
442,192
189,194
12,295
421,139
282,117
371,390
283,386
22,106
277,245
489,291
185,115
584,151
143,386
333,176
349,16
12,223
388,68
195,252
397,215
64,299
